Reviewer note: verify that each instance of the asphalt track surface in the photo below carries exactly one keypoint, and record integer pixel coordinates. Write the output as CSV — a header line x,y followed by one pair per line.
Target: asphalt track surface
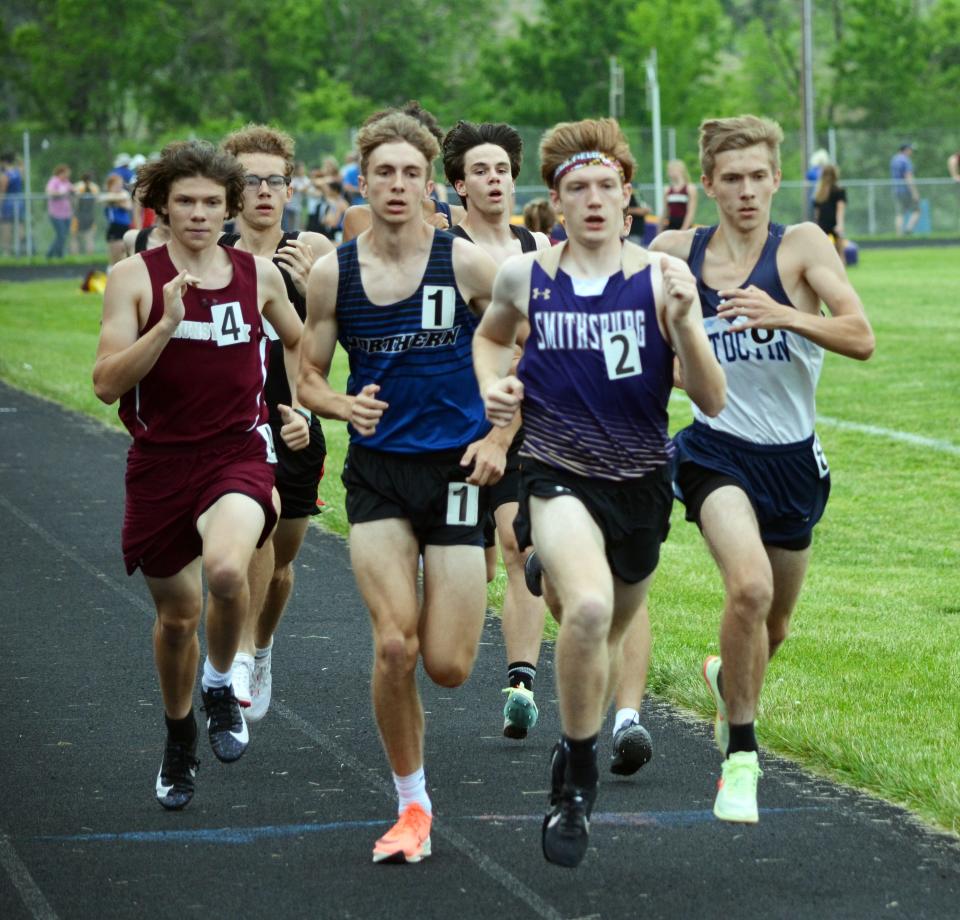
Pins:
x,y
287,830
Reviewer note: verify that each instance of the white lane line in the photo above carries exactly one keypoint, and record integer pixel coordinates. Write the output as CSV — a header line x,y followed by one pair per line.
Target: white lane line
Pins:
x,y
369,774
30,894
893,434
374,776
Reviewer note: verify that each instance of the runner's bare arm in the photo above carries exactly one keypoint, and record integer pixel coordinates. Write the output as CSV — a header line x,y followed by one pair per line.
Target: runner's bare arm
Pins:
x,y
493,342
846,331
682,316
364,410
124,357
278,310
299,255
355,221
475,271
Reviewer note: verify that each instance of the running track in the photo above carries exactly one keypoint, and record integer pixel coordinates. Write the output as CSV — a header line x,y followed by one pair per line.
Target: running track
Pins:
x,y
286,831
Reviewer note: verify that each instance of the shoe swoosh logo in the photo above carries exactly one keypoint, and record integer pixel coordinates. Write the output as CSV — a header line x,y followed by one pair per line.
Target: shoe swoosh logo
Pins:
x,y
554,820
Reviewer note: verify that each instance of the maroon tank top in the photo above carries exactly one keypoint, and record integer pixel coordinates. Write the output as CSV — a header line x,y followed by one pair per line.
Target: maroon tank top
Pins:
x,y
207,384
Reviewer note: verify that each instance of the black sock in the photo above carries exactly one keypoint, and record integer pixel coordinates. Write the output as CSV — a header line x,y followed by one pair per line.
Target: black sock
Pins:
x,y
581,761
521,672
182,731
742,738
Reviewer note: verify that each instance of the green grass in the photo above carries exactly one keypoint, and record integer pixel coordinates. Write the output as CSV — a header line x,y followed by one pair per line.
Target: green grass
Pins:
x,y
867,689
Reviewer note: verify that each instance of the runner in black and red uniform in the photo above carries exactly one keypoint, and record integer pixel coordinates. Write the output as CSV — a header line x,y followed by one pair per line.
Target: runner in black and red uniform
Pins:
x,y
182,347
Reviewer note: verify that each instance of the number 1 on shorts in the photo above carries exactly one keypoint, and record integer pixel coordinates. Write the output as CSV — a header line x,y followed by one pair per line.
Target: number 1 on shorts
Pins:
x,y
463,501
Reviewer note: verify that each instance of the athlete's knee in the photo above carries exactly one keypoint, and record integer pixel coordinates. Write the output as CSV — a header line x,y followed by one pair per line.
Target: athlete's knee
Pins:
x,y
750,597
176,626
396,654
513,557
282,577
226,576
588,618
452,671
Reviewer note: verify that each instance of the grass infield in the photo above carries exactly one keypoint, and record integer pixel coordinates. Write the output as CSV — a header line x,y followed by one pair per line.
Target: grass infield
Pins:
x,y
867,688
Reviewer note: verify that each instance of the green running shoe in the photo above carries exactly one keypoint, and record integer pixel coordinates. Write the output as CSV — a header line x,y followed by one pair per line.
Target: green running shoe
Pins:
x,y
721,728
520,712
737,789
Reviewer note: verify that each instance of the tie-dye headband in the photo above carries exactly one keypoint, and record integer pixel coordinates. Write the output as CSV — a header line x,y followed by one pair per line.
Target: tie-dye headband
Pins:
x,y
586,158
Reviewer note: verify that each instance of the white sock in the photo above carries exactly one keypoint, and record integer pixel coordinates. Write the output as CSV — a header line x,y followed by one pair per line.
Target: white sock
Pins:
x,y
413,788
212,678
625,715
262,653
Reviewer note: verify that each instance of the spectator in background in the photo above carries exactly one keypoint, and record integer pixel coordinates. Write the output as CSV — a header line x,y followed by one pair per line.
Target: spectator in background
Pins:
x,y
637,210
12,206
953,166
142,217
350,178
119,214
540,217
59,209
122,168
829,206
300,182
818,159
679,200
85,194
905,195
334,207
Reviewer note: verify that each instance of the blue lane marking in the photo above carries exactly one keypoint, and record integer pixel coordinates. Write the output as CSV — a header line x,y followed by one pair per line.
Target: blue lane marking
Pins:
x,y
233,835
244,835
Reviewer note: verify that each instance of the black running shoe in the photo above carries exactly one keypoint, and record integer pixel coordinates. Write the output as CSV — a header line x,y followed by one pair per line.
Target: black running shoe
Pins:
x,y
177,771
225,724
566,827
533,574
558,769
632,748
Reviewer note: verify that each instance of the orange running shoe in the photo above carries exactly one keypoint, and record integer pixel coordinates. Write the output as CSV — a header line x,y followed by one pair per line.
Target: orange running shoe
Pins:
x,y
408,841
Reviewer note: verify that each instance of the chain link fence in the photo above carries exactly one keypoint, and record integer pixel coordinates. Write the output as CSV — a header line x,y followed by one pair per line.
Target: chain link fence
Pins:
x,y
863,156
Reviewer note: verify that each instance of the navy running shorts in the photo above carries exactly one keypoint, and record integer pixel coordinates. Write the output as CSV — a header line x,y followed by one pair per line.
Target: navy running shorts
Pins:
x,y
787,484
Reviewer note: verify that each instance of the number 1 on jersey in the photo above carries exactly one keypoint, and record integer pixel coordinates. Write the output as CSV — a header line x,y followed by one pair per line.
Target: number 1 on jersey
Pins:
x,y
439,306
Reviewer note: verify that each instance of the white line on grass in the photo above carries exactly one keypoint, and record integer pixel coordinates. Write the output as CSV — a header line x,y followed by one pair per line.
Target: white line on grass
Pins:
x,y
905,437
23,881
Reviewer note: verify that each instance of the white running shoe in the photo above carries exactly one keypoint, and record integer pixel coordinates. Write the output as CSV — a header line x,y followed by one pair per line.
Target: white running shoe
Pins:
x,y
241,677
260,688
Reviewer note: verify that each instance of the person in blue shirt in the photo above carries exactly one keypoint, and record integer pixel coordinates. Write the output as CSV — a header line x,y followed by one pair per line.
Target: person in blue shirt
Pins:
x,y
906,198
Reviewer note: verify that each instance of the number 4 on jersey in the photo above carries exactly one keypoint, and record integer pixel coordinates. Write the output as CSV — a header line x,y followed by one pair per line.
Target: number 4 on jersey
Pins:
x,y
228,325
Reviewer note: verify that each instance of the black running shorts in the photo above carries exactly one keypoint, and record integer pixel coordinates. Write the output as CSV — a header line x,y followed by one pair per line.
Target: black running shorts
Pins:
x,y
633,516
428,490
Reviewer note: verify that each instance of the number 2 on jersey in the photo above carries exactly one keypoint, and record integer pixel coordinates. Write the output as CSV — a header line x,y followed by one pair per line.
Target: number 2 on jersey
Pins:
x,y
439,306
463,501
621,353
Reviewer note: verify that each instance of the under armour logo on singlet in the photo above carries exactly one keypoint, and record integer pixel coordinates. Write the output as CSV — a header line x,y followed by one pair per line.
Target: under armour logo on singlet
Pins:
x,y
545,293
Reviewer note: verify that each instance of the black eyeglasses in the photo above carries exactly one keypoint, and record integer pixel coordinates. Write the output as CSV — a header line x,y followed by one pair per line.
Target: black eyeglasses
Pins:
x,y
274,182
